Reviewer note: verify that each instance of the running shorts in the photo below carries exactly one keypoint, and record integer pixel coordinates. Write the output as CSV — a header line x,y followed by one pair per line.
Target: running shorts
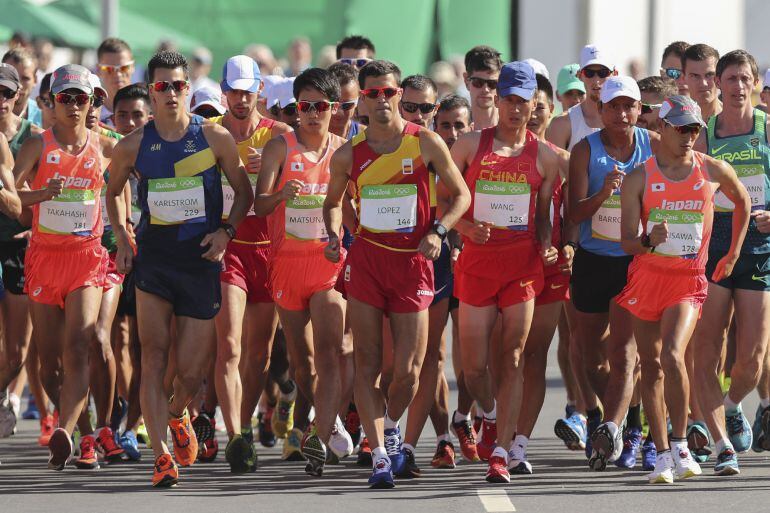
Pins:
x,y
443,281
596,279
245,266
12,260
113,278
294,279
751,272
555,285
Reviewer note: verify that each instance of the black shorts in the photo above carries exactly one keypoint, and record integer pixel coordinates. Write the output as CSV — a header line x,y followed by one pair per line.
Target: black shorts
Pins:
x,y
751,272
12,259
127,300
443,280
193,290
596,279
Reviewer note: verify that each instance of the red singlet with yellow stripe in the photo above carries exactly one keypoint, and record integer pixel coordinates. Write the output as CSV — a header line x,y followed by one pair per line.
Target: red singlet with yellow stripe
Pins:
x,y
74,217
394,193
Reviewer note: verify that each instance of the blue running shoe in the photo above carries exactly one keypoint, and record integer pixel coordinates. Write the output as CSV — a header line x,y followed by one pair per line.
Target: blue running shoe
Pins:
x,y
698,441
738,430
756,431
569,411
130,445
632,441
382,476
649,455
727,463
591,426
572,431
394,450
119,410
31,413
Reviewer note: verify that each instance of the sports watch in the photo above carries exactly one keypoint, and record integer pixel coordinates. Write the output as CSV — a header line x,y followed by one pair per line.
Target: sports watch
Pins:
x,y
440,230
229,229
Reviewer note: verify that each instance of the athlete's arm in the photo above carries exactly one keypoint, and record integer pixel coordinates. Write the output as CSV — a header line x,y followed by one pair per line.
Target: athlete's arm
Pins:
x,y
340,167
722,173
548,164
582,206
437,155
631,213
266,198
24,170
559,131
654,140
122,165
10,204
462,153
253,163
569,230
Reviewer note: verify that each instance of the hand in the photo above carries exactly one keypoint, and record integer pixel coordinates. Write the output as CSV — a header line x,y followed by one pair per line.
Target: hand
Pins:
x,y
724,267
430,246
480,233
26,234
124,259
549,255
613,180
453,256
332,249
54,188
217,242
254,161
291,189
762,218
568,252
659,233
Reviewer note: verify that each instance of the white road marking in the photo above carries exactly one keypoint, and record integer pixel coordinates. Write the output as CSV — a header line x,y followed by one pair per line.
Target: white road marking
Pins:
x,y
495,501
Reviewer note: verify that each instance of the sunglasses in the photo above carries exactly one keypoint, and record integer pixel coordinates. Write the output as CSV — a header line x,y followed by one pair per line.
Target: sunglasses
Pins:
x,y
425,108
601,73
79,99
358,63
648,107
320,106
346,106
376,92
479,82
98,101
673,73
686,129
290,110
111,70
45,102
163,85
7,94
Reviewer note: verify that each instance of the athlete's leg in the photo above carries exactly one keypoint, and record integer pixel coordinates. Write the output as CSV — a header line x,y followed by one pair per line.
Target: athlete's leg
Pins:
x,y
134,391
195,344
386,376
476,324
102,372
464,399
299,343
439,412
347,367
121,342
649,344
752,309
261,324
622,357
17,329
227,380
33,376
563,357
587,398
591,338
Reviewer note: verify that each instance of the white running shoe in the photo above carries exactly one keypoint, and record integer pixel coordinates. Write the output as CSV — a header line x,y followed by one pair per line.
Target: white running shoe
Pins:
x,y
664,469
340,442
517,460
7,417
685,464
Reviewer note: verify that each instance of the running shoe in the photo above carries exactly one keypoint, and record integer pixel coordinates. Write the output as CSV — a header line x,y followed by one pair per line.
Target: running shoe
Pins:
x,y
7,416
605,444
765,442
105,443
727,463
649,455
208,446
265,428
488,441
738,430
572,431
142,436
698,441
283,416
497,472
466,436
445,455
314,450
382,476
664,469
60,448
185,442
632,442
166,473
119,413
292,446
409,469
87,459
517,460
757,435
364,457
340,442
395,450
569,410
31,413
130,445
685,465
47,425
353,424
241,455
591,425
207,451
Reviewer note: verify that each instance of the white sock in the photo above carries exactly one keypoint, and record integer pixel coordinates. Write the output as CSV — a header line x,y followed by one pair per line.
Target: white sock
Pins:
x,y
408,447
499,451
679,446
723,444
459,417
764,402
443,438
491,415
730,405
379,453
338,423
520,440
390,423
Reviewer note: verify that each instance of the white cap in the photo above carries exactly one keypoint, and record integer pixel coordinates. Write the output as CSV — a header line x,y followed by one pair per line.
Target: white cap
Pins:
x,y
766,83
241,72
270,82
591,55
207,96
620,85
281,93
96,84
538,66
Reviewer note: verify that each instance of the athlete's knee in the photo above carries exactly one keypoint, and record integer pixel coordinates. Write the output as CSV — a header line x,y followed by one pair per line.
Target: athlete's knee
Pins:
x,y
407,379
750,367
229,351
672,363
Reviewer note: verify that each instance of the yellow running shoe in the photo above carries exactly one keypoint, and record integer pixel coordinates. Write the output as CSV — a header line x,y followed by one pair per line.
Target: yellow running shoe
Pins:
x,y
292,446
283,417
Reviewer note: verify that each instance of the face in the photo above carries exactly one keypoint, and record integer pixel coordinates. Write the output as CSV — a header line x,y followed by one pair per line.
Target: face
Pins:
x,y
169,101
130,115
650,120
677,143
451,124
289,115
115,78
764,96
353,53
93,117
413,96
737,83
46,109
674,62
700,78
313,120
242,103
199,69
593,84
7,104
340,119
620,114
71,114
571,98
27,79
540,114
381,109
514,111
482,97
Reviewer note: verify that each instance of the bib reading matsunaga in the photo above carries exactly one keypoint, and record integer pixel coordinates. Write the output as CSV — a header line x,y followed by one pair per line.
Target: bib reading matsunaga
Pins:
x,y
304,218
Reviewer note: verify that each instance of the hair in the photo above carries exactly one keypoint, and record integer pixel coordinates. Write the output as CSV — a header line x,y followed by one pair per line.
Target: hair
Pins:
x,y
482,58
544,85
737,57
167,60
699,52
136,91
663,87
419,83
676,48
355,43
20,55
345,73
321,80
45,85
112,45
454,101
378,68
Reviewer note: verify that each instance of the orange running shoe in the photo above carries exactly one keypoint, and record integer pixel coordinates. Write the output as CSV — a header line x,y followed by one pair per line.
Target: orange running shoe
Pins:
x,y
105,442
166,473
87,459
466,435
185,443
46,430
445,455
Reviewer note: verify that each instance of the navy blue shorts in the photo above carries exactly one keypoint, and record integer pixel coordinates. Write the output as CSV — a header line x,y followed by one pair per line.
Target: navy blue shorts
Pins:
x,y
347,238
443,279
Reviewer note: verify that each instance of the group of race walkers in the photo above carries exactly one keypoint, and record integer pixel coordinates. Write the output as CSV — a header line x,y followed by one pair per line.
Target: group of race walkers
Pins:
x,y
295,252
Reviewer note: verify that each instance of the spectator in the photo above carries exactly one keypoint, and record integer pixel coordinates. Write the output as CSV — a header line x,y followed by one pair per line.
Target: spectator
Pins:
x,y
26,66
300,56
200,67
264,58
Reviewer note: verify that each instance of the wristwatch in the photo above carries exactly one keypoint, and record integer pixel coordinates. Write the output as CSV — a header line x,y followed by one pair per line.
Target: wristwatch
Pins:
x,y
571,244
646,241
440,230
229,229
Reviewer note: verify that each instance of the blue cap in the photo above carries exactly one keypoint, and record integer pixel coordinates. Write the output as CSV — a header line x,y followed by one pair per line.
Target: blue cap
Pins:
x,y
241,72
517,78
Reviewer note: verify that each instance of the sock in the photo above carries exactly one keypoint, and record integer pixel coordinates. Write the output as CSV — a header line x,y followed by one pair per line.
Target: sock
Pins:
x,y
764,402
459,417
287,387
595,414
634,417
679,445
246,431
390,423
491,415
408,447
723,444
520,440
499,451
730,405
443,438
379,453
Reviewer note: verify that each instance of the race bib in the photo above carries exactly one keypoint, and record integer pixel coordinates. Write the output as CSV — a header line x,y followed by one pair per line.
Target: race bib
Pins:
x,y
605,223
176,200
73,212
304,218
503,204
389,208
752,176
685,232
228,195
